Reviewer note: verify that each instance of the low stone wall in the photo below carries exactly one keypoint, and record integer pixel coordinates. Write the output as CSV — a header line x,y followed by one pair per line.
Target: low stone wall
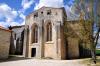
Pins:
x,y
4,43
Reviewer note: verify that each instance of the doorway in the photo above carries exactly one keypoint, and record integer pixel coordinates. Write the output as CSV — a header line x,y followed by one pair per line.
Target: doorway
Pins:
x,y
33,52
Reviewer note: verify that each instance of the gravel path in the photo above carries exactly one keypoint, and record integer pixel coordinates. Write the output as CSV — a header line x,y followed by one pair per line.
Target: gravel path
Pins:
x,y
37,62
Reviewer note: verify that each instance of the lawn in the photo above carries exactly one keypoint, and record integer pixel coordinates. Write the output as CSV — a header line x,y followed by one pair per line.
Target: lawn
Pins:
x,y
98,52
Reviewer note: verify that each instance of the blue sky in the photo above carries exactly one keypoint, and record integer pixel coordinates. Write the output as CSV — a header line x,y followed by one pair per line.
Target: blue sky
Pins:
x,y
13,12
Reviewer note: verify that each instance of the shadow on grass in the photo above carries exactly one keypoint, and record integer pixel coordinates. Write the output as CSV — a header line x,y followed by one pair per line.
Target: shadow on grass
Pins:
x,y
13,58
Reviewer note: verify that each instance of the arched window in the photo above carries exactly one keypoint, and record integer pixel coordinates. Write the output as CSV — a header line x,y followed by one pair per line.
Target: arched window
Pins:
x,y
49,32
35,34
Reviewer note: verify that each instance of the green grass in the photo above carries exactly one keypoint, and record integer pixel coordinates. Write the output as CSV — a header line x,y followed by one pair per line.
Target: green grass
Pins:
x,y
98,52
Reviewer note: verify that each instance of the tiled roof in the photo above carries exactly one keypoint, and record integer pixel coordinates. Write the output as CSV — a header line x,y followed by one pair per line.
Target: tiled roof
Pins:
x,y
2,28
17,26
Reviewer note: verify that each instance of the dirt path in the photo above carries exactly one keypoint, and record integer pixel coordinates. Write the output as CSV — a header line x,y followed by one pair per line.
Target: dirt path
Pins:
x,y
37,62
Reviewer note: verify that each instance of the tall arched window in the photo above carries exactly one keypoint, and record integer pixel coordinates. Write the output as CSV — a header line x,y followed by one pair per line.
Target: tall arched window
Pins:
x,y
35,34
49,31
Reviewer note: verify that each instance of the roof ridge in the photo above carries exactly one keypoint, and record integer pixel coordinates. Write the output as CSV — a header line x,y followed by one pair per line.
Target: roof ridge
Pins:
x,y
2,28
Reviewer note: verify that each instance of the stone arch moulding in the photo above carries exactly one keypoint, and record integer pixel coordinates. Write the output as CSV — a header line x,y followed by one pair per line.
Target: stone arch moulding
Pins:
x,y
34,24
47,21
48,28
34,33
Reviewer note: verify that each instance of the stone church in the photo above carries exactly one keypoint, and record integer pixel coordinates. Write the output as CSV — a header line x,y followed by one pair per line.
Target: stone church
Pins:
x,y
45,35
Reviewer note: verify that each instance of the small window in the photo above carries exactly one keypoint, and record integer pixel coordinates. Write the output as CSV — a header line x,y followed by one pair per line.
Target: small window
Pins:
x,y
35,15
49,12
42,12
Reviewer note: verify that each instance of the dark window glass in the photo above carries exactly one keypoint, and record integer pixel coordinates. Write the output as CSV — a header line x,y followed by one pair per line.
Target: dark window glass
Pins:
x,y
35,15
42,12
35,34
49,32
49,12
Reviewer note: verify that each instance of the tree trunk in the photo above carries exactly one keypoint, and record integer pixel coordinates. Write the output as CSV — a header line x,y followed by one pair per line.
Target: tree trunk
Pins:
x,y
93,51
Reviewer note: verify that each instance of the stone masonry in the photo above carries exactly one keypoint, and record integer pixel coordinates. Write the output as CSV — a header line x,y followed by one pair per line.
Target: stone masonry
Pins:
x,y
5,35
45,35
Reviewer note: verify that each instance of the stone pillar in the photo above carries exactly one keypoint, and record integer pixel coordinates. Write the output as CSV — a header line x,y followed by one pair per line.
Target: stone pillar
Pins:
x,y
58,40
25,45
29,43
41,41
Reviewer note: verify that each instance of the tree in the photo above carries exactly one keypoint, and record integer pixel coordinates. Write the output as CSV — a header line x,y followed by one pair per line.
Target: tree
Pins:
x,y
97,19
86,10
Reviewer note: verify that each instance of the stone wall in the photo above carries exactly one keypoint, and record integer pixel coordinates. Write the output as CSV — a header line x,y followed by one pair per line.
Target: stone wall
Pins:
x,y
55,48
66,35
78,38
4,43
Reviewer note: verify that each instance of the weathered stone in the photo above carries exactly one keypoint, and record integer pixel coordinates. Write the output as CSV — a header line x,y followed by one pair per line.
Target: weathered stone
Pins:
x,y
66,36
4,43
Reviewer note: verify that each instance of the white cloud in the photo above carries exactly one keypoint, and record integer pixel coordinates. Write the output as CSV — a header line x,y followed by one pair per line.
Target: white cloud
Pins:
x,y
15,13
22,15
49,3
23,23
9,14
14,24
70,14
27,3
9,19
4,24
7,24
